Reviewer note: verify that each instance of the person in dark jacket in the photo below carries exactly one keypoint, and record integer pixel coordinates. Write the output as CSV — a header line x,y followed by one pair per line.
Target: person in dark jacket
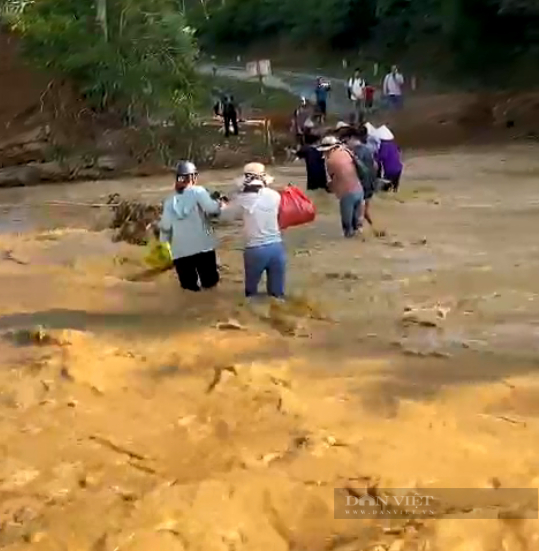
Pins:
x,y
314,163
230,115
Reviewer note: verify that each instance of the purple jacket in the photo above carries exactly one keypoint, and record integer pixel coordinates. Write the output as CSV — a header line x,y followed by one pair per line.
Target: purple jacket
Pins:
x,y
389,156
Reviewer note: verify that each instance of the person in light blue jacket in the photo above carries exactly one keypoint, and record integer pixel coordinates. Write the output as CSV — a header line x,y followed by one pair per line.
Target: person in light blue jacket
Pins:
x,y
185,225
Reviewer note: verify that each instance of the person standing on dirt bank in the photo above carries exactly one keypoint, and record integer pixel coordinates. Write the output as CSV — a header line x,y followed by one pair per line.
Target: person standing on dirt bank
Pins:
x,y
356,94
344,183
392,88
185,225
321,93
231,115
258,206
314,163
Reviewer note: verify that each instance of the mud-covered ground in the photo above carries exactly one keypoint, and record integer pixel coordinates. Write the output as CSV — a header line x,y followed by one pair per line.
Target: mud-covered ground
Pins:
x,y
138,417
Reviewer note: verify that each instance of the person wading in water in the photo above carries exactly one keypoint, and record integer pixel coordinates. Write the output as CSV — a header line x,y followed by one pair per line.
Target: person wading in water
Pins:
x,y
185,226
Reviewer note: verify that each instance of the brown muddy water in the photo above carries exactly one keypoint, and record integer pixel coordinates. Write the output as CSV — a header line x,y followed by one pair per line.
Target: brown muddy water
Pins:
x,y
134,420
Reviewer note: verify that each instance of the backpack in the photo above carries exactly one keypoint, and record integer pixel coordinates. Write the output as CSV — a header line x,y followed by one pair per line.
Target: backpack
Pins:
x,y
363,172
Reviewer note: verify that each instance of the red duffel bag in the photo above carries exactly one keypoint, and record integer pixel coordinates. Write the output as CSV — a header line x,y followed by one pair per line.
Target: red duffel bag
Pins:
x,y
295,208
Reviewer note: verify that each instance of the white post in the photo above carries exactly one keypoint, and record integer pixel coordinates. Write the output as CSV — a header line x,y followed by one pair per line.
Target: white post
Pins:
x,y
102,17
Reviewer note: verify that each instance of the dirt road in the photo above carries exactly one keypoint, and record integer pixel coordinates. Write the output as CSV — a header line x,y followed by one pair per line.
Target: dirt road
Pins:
x,y
139,417
295,82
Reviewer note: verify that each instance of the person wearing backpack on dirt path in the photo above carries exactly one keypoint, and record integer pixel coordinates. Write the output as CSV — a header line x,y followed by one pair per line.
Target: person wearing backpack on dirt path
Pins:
x,y
185,226
344,182
356,94
258,206
392,88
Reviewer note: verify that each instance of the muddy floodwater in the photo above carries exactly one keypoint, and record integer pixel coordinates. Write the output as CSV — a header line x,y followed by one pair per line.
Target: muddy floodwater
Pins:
x,y
134,416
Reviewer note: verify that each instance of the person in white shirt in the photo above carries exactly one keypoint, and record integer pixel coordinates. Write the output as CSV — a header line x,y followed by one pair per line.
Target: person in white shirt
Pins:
x,y
392,88
356,94
258,206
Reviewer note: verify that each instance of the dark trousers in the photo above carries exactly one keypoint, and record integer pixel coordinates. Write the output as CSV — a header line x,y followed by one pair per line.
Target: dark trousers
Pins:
x,y
201,267
393,182
321,109
231,119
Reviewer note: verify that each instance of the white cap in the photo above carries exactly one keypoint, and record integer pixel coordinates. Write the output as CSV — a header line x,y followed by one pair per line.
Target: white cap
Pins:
x,y
383,133
328,142
341,125
371,131
258,170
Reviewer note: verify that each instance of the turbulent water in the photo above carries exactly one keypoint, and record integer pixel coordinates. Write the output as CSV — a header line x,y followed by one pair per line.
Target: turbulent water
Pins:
x,y
135,416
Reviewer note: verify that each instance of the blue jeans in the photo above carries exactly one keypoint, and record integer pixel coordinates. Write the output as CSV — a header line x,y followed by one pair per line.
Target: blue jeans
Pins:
x,y
395,102
269,258
351,213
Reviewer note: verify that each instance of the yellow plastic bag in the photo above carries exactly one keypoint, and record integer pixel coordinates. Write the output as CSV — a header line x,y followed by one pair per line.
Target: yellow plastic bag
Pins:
x,y
159,255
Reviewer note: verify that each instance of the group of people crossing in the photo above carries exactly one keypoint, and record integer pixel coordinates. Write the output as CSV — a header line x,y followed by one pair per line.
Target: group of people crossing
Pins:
x,y
353,162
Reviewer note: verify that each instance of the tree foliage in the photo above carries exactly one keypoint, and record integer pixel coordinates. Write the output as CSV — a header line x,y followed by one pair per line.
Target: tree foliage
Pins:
x,y
476,34
142,66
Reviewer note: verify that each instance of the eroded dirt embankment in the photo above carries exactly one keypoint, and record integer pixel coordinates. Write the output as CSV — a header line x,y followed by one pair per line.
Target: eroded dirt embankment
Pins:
x,y
136,417
48,133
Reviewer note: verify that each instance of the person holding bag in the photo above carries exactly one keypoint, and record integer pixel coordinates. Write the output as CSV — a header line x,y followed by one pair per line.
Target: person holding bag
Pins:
x,y
258,206
185,226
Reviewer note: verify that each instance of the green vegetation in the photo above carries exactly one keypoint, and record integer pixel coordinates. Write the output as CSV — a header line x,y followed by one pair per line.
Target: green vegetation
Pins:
x,y
135,57
478,37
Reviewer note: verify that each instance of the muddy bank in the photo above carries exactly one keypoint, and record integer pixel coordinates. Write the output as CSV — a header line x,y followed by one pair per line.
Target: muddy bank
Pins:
x,y
48,134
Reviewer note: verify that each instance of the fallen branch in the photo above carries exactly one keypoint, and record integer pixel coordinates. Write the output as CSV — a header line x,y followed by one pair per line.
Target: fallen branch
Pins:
x,y
116,447
8,255
505,418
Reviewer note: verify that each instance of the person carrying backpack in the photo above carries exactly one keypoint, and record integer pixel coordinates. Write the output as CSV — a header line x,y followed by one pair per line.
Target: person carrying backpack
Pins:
x,y
367,167
345,183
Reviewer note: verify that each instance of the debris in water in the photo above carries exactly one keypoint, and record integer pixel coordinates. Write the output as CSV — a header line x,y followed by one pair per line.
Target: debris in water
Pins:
x,y
425,317
8,255
26,337
132,219
218,375
230,325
